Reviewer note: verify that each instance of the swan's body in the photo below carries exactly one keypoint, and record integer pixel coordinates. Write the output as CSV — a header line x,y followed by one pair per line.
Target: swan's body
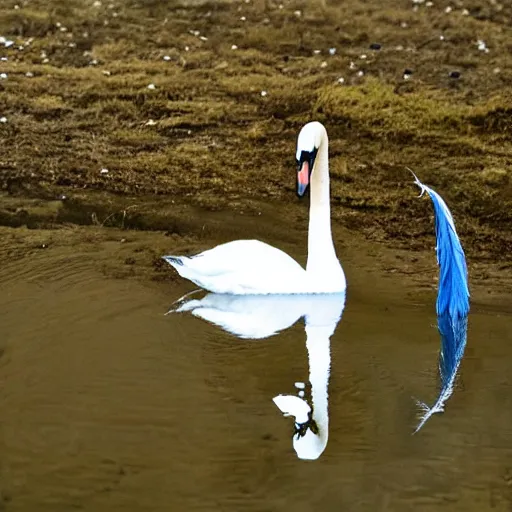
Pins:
x,y
252,267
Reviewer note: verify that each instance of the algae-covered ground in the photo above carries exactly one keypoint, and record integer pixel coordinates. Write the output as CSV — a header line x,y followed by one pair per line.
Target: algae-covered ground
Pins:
x,y
113,113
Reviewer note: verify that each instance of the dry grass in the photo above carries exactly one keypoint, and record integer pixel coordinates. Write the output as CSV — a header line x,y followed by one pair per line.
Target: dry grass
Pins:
x,y
212,135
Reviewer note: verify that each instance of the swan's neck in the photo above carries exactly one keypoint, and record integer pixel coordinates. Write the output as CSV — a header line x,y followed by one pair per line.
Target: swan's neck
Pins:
x,y
319,355
321,253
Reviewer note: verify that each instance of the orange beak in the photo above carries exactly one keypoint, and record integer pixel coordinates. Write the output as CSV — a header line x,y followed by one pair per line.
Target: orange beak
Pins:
x,y
303,178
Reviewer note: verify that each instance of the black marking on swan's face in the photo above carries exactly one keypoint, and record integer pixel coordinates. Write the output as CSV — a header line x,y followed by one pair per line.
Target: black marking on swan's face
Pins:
x,y
305,164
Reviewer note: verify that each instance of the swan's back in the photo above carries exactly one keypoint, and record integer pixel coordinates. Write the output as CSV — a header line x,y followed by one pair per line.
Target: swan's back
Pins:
x,y
242,267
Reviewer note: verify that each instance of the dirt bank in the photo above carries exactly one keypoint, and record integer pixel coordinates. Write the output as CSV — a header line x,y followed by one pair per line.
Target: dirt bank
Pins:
x,y
116,113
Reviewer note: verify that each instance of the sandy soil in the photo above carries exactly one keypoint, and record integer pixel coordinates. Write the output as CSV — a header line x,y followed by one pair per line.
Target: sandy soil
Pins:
x,y
125,114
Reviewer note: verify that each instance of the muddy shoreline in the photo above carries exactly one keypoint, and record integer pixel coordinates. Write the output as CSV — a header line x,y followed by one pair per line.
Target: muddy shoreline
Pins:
x,y
154,116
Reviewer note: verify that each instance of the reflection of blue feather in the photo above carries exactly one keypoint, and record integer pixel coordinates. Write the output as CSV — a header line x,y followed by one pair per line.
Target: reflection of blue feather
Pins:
x,y
453,342
452,301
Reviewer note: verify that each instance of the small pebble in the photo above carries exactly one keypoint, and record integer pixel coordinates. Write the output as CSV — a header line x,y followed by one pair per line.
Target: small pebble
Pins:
x,y
151,122
187,48
429,4
496,70
3,119
352,65
482,46
298,13
324,64
243,18
375,46
106,72
45,61
407,74
263,93
454,74
363,57
441,38
97,3
152,87
465,12
300,385
234,47
332,51
203,38
317,52
341,80
104,171
3,76
29,74
360,73
448,10
404,24
167,58
8,43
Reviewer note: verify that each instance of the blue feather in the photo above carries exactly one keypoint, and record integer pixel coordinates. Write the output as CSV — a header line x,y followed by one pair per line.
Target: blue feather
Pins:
x,y
453,291
452,304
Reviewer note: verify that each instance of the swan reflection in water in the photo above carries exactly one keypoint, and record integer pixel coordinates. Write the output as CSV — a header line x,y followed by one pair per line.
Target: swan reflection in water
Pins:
x,y
261,316
452,304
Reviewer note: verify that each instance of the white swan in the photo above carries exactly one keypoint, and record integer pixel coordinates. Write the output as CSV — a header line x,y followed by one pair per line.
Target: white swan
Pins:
x,y
252,267
257,317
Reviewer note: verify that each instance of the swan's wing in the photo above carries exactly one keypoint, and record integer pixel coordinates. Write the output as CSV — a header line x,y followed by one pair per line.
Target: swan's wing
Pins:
x,y
239,255
242,266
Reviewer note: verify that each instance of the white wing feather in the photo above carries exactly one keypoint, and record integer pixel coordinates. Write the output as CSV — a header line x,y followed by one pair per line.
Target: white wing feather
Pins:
x,y
242,267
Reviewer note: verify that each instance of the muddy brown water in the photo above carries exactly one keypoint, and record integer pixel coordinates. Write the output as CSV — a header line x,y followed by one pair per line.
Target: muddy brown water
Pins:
x,y
107,404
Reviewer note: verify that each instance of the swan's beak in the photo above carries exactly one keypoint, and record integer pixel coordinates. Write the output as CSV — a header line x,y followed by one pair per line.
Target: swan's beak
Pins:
x,y
305,163
303,177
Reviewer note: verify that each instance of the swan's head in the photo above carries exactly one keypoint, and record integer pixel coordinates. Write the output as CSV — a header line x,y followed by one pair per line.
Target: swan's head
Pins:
x,y
308,442
310,138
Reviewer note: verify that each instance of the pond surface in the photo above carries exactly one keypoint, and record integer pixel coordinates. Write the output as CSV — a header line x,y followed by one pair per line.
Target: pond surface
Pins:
x,y
106,403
